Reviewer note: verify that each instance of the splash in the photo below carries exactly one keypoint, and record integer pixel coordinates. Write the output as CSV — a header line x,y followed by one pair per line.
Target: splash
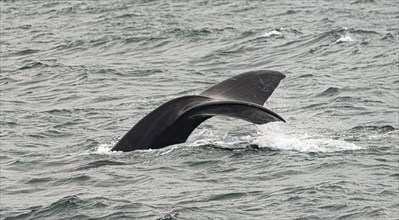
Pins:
x,y
207,136
282,138
344,39
105,149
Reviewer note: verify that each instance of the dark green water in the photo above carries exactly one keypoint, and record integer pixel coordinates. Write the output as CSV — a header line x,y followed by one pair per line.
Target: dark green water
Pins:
x,y
76,75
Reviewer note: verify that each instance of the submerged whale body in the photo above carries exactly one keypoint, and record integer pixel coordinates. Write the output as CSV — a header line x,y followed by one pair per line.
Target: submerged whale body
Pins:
x,y
241,96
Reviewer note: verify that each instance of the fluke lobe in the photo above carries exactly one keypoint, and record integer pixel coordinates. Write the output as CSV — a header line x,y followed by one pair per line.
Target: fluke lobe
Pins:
x,y
241,96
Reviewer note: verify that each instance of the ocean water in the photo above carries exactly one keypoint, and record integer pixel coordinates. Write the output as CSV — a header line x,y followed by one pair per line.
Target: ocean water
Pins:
x,y
77,75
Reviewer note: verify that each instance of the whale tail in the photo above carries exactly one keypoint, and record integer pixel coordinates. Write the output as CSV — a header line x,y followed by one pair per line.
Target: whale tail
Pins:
x,y
241,96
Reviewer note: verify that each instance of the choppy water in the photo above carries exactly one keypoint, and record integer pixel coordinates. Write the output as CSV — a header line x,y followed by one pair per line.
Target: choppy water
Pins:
x,y
76,75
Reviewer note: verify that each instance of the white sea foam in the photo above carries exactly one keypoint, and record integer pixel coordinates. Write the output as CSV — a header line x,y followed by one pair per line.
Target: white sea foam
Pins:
x,y
344,38
224,139
271,33
167,150
280,137
104,149
273,135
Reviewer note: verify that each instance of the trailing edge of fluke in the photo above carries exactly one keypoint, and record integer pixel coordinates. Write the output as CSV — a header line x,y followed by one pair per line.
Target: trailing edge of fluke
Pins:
x,y
241,96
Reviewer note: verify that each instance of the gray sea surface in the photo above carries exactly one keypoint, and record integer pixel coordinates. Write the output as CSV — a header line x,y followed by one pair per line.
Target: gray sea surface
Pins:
x,y
77,75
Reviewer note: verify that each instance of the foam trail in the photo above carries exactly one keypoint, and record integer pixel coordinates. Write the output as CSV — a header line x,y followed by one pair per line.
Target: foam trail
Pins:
x,y
279,136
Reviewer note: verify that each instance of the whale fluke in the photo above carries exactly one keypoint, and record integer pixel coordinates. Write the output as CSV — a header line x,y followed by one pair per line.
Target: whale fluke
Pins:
x,y
254,87
241,96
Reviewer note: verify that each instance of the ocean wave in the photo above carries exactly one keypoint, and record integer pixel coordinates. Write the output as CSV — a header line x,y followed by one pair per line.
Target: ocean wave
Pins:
x,y
379,129
76,207
331,91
